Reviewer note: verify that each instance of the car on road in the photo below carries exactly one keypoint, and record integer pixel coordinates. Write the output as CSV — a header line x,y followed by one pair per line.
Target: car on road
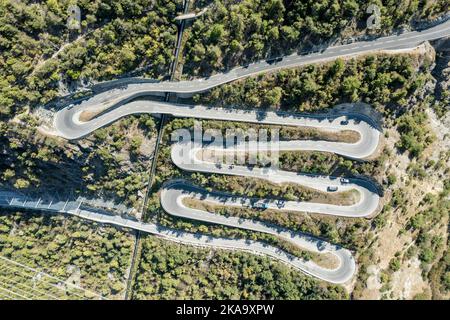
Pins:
x,y
332,189
281,204
260,205
274,60
268,171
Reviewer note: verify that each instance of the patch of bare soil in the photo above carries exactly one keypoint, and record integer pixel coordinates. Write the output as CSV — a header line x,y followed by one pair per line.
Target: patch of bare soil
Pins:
x,y
441,128
75,275
390,241
327,260
306,133
408,282
373,284
394,239
88,115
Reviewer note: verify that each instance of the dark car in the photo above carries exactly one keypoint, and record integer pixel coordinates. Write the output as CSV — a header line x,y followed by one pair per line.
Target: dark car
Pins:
x,y
274,60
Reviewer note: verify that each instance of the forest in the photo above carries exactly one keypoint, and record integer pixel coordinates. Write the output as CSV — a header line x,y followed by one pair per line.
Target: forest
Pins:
x,y
97,256
239,32
41,59
389,86
173,271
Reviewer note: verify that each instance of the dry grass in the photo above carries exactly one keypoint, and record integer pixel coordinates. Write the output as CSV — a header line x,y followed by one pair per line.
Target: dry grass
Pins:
x,y
307,133
87,115
259,188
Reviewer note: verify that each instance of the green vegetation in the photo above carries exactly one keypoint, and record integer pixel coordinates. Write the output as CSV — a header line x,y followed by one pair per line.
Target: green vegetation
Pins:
x,y
415,135
109,163
351,232
389,86
382,81
441,72
234,33
424,223
444,278
95,256
117,37
41,60
174,271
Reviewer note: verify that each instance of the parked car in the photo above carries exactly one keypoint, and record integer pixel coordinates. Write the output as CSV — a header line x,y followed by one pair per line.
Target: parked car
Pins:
x,y
343,180
332,189
344,122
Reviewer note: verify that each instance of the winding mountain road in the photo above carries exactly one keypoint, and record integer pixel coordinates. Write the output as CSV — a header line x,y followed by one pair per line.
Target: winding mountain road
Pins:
x,y
142,87
174,192
342,273
117,102
365,206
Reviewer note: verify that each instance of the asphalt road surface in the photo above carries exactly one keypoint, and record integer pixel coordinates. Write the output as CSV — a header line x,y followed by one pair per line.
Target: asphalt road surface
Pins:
x,y
186,157
118,103
145,87
366,205
343,273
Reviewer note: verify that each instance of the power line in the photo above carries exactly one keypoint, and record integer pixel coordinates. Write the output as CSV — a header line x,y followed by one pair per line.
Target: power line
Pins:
x,y
16,294
17,283
61,285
